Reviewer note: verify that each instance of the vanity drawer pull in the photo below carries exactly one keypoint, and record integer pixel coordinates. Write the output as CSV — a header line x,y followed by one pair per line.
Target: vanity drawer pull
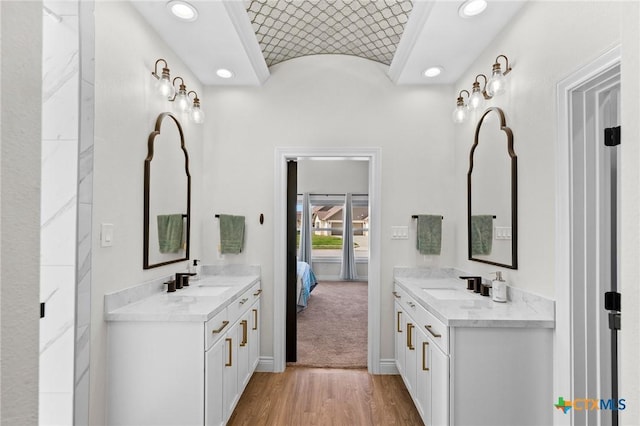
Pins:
x,y
224,324
428,327
255,319
410,327
230,362
410,303
397,296
243,301
424,356
245,327
257,293
399,329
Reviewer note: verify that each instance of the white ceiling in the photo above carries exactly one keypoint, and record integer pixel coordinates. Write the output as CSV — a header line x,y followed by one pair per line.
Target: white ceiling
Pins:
x,y
223,37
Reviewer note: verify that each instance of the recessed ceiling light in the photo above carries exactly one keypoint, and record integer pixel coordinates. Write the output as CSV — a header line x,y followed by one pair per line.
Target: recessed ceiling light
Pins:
x,y
472,8
433,72
224,73
182,10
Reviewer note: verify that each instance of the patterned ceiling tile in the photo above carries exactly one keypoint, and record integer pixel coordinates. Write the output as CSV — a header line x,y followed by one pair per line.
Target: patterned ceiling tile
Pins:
x,y
287,29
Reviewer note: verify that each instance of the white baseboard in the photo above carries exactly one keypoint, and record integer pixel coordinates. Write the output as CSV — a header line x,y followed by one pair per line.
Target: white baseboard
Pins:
x,y
388,366
265,365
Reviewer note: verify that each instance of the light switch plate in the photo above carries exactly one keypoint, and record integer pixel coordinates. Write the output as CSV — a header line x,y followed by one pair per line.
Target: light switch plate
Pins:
x,y
106,235
399,232
503,232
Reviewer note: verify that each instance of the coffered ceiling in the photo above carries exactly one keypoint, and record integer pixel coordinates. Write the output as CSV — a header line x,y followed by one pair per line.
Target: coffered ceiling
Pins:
x,y
248,37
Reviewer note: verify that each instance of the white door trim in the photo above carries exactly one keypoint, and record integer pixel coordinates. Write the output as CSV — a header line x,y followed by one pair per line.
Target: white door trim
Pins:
x,y
563,348
282,155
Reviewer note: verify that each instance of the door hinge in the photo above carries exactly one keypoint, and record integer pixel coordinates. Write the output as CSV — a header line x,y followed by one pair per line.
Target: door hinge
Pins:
x,y
612,301
614,321
612,136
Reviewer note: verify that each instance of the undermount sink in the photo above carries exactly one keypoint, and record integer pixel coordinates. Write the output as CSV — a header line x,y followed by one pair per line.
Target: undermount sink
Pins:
x,y
200,290
450,294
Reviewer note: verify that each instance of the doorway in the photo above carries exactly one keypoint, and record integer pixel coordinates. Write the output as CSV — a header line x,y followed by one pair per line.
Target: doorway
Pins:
x,y
587,239
333,254
282,157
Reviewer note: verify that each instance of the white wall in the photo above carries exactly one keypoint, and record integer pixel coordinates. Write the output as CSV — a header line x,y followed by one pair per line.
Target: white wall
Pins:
x,y
20,124
333,101
126,110
333,177
546,42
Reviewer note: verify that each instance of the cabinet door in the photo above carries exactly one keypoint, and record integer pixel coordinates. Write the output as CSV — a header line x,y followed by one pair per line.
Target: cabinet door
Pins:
x,y
214,414
230,374
432,382
254,337
410,359
438,363
424,382
400,338
243,350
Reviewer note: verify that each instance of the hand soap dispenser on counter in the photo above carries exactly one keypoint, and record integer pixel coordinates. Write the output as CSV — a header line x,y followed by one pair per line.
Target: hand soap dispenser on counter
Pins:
x,y
195,269
499,288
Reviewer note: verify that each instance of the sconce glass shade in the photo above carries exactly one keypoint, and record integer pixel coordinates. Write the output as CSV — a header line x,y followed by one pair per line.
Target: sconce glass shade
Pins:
x,y
164,87
497,84
476,100
182,101
460,114
197,115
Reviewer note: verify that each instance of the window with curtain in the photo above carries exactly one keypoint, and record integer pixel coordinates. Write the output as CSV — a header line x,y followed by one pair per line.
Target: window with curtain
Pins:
x,y
327,225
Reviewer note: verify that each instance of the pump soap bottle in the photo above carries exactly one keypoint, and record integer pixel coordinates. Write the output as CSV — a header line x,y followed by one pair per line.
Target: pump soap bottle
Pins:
x,y
195,269
499,288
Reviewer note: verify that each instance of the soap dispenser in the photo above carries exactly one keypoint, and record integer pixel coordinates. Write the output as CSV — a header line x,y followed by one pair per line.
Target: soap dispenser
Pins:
x,y
195,269
499,288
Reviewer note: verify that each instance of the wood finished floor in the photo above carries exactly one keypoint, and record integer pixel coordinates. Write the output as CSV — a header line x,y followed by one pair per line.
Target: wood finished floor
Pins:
x,y
303,396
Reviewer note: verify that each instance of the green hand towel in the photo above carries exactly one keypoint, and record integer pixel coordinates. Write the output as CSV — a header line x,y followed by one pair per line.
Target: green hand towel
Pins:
x,y
429,234
170,231
231,234
481,234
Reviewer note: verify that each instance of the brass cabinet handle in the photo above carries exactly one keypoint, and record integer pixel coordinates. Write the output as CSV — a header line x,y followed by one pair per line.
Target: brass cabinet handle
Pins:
x,y
230,362
410,303
244,333
399,329
410,327
257,293
428,327
243,301
397,296
255,319
424,356
224,324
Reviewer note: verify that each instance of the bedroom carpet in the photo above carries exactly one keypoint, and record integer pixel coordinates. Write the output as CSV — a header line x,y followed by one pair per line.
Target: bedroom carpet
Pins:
x,y
332,331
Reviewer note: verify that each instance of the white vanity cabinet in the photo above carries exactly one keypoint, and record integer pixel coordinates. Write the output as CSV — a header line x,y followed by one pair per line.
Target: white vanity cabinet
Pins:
x,y
183,372
422,363
474,371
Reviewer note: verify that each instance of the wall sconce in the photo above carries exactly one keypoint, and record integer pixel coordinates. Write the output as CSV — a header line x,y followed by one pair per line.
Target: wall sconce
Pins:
x,y
460,113
167,89
196,114
496,85
164,85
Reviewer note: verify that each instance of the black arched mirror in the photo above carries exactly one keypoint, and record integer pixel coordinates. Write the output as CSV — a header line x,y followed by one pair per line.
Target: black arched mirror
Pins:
x,y
492,188
167,195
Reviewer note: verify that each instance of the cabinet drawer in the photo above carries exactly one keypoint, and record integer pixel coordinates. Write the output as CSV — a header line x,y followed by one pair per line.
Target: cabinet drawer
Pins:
x,y
424,320
434,328
239,306
215,328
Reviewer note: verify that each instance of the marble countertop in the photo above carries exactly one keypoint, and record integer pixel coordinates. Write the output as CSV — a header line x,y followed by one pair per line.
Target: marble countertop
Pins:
x,y
455,306
203,299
